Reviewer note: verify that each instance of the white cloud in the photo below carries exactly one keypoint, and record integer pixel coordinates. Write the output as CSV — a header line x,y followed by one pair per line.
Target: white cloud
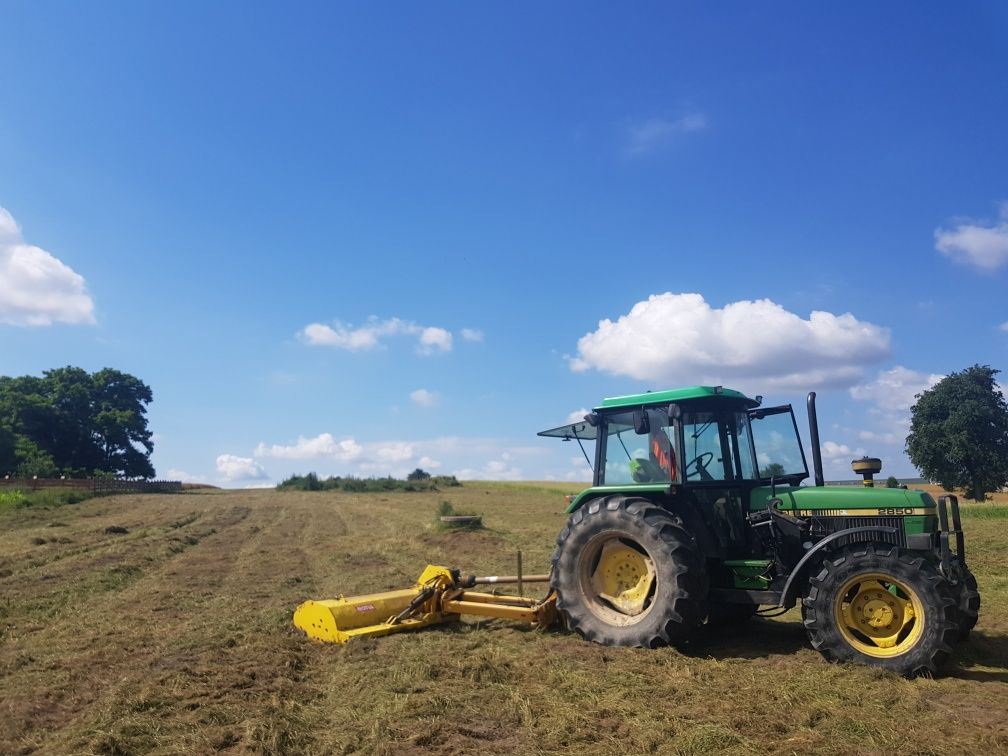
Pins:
x,y
576,416
888,439
424,398
1003,326
185,477
674,339
430,339
435,340
232,468
832,450
895,390
471,334
981,244
495,469
654,134
472,458
36,289
323,446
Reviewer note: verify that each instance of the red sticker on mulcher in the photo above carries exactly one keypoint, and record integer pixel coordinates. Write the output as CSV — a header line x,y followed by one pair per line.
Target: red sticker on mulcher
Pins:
x,y
364,607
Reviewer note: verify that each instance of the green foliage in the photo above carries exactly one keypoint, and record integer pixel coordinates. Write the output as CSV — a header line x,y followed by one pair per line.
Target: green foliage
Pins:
x,y
11,500
312,482
46,498
418,474
75,423
892,482
959,433
773,470
33,462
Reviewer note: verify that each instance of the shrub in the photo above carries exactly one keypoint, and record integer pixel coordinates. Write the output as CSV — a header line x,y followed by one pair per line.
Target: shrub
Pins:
x,y
891,482
312,482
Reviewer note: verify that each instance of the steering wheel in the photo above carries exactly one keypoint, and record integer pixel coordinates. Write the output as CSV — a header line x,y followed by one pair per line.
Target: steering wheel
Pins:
x,y
701,462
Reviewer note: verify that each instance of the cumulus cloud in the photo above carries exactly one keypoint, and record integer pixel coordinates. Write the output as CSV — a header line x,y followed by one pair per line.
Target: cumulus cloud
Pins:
x,y
185,477
434,340
896,389
232,468
655,134
674,339
430,339
36,289
471,334
322,446
424,398
577,416
465,457
981,244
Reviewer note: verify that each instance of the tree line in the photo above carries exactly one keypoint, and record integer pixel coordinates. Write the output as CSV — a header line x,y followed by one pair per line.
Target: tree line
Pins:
x,y
74,423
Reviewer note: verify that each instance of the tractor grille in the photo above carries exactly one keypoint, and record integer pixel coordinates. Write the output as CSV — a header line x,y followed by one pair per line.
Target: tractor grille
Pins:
x,y
824,526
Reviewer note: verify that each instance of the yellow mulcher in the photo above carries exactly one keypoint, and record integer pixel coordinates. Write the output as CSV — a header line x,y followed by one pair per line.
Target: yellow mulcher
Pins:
x,y
440,595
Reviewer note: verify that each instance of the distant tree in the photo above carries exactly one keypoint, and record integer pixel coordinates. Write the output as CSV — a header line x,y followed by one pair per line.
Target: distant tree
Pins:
x,y
959,432
77,423
892,482
773,470
418,474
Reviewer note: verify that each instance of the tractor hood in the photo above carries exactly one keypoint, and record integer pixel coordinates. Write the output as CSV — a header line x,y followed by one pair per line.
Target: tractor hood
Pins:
x,y
843,500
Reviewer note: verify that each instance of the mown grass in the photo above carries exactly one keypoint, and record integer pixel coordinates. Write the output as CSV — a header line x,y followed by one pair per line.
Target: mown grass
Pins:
x,y
175,637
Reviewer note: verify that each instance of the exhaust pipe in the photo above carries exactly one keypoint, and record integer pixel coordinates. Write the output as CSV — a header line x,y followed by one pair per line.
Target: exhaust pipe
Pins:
x,y
813,422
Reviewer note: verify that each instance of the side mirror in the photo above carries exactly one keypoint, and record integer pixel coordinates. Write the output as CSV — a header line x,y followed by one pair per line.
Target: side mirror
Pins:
x,y
641,425
674,412
592,418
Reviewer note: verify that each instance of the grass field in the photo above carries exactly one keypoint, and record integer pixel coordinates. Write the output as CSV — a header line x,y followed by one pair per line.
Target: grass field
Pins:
x,y
161,623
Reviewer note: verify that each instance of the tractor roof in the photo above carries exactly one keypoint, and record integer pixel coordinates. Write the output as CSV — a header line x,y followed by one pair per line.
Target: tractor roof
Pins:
x,y
583,431
709,393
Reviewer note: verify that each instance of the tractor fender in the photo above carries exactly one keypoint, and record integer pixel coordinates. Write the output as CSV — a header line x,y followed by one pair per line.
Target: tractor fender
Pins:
x,y
787,599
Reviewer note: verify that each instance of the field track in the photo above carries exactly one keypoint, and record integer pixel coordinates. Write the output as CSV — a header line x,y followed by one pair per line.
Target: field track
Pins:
x,y
175,637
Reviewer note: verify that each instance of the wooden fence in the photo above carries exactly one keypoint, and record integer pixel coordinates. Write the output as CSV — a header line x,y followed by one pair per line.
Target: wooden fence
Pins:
x,y
99,486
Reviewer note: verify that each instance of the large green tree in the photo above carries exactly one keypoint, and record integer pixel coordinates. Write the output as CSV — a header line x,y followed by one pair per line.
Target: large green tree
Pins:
x,y
74,422
959,432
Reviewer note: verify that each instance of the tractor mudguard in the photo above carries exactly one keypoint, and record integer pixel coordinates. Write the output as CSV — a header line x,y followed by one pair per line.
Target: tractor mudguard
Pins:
x,y
787,599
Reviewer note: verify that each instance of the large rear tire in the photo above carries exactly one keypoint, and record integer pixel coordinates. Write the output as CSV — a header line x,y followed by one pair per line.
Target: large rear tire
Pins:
x,y
627,573
967,595
877,604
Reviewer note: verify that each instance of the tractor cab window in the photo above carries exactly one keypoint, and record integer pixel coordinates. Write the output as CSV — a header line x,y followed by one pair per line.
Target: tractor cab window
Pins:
x,y
716,446
778,449
639,458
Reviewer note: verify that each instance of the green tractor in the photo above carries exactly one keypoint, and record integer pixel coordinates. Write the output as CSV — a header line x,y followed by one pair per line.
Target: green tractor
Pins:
x,y
696,518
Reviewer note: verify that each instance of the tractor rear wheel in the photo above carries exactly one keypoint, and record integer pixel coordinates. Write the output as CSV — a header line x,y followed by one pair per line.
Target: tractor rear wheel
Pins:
x,y
967,595
627,573
877,604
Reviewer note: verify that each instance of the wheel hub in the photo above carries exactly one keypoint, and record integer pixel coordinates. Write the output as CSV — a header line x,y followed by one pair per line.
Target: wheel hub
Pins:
x,y
623,577
877,615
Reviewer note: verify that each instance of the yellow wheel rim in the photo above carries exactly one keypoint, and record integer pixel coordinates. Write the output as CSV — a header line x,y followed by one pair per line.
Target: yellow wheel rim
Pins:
x,y
618,579
879,615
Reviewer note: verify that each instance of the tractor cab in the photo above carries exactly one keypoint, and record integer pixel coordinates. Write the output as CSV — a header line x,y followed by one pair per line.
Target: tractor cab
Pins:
x,y
701,436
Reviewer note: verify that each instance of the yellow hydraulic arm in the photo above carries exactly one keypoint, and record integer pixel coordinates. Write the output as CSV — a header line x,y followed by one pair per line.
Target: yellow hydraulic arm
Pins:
x,y
440,595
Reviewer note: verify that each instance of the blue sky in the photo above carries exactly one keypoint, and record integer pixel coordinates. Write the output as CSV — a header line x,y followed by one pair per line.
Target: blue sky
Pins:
x,y
359,239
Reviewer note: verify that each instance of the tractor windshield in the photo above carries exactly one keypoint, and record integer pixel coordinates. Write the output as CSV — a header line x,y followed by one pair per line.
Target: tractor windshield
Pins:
x,y
779,451
632,458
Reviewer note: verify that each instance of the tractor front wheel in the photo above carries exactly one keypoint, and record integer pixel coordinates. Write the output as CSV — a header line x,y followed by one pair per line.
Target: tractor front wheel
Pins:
x,y
627,573
877,604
